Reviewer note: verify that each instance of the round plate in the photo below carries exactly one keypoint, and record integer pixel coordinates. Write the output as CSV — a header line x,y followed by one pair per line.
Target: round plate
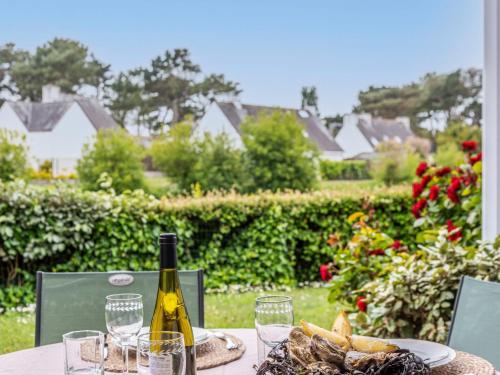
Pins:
x,y
201,335
431,352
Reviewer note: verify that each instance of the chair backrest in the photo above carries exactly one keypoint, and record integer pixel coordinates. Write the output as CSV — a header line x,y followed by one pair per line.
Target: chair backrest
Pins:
x,y
475,326
71,301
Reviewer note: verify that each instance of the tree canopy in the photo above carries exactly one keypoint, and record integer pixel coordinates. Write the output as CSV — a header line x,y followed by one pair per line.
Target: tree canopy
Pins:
x,y
454,96
171,88
62,62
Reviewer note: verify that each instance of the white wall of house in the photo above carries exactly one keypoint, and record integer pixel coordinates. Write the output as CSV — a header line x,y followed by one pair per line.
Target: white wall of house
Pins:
x,y
215,122
63,145
10,120
351,139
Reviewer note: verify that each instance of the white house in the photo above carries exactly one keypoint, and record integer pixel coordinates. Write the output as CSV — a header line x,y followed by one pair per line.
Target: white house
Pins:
x,y
361,133
228,116
57,128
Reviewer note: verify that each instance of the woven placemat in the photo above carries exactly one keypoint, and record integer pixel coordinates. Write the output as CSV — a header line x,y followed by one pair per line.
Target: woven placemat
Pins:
x,y
211,353
465,363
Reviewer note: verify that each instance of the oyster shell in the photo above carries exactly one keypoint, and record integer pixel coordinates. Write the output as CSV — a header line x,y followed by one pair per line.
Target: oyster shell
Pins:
x,y
362,361
322,368
327,351
299,347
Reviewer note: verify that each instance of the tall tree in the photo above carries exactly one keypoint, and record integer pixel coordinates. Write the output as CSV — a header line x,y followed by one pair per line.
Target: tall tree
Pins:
x,y
174,88
9,55
63,62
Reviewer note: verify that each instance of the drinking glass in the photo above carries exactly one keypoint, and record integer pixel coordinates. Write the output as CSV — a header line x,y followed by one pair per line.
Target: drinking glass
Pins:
x,y
124,318
160,353
84,353
273,321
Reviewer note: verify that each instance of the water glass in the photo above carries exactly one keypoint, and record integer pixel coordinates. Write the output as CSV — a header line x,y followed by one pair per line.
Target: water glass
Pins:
x,y
84,353
273,321
124,318
161,353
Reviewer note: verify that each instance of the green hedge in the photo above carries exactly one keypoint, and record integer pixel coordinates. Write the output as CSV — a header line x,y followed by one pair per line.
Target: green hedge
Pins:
x,y
261,239
344,170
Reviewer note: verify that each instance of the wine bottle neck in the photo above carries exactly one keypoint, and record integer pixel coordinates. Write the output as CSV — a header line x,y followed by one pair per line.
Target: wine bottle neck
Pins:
x,y
168,256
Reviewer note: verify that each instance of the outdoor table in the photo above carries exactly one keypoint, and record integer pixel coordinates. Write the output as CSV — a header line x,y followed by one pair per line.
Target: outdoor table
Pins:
x,y
49,359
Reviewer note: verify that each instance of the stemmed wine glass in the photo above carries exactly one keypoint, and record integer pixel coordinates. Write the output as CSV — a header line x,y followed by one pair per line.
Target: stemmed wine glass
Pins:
x,y
124,318
273,321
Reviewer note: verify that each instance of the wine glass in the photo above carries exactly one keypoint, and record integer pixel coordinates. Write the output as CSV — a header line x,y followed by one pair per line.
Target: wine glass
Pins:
x,y
124,318
273,321
161,352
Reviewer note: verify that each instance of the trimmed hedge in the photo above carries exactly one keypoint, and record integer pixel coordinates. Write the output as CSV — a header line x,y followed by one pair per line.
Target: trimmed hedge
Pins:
x,y
344,170
259,239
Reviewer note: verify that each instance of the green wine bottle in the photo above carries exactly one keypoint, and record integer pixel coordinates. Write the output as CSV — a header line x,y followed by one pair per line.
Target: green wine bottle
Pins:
x,y
170,313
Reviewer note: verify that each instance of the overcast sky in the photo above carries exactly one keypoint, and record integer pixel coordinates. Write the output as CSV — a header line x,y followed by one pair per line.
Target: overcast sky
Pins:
x,y
272,47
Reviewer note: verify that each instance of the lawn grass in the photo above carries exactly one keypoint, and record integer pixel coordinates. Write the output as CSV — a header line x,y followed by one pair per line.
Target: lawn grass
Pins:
x,y
17,330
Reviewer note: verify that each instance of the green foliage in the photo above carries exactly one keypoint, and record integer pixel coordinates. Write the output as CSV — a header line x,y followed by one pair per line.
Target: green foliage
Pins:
x,y
309,99
344,170
281,236
168,91
394,163
452,199
417,299
62,62
451,154
221,166
366,256
212,162
116,153
455,133
279,155
175,154
454,95
13,155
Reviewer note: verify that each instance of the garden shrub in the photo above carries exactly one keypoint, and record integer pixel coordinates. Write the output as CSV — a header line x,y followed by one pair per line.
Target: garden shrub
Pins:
x,y
394,163
13,155
255,240
116,153
344,170
280,156
417,298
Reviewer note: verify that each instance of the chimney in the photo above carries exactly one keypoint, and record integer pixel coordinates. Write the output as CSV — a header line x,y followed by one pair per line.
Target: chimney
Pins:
x,y
51,93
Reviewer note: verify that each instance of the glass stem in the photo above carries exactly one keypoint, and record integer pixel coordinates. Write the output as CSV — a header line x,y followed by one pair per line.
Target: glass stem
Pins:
x,y
125,357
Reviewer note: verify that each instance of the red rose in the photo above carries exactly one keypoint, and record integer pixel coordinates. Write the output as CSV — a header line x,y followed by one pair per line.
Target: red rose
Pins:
x,y
443,171
434,192
422,167
417,189
454,233
469,146
418,207
452,190
376,252
361,303
425,181
324,272
476,158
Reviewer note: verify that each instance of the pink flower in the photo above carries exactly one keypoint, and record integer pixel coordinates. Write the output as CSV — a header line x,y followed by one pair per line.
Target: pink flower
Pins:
x,y
376,252
396,245
443,171
476,158
418,207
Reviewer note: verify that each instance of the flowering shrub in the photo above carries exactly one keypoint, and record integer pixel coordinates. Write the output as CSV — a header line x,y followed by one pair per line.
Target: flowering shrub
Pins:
x,y
367,256
416,299
451,197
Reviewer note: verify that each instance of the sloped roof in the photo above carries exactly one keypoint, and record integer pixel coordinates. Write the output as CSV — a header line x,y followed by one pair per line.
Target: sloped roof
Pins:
x,y
382,130
313,126
43,117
